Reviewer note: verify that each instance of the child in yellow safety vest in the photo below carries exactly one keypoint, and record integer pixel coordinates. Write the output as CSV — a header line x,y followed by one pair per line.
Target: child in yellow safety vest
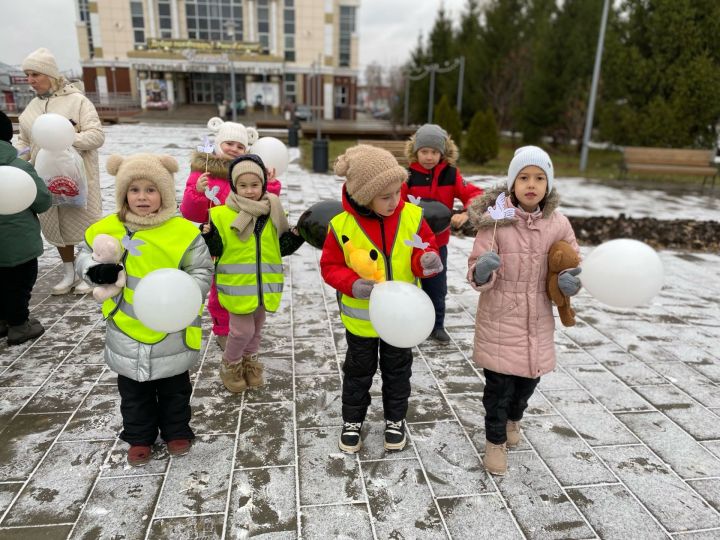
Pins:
x,y
152,366
249,234
375,219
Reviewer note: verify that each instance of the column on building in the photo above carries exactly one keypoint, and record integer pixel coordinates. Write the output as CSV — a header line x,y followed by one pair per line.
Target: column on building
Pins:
x,y
170,88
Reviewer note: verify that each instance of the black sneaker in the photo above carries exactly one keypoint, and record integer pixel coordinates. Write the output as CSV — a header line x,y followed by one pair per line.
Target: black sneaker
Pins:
x,y
350,441
439,334
395,438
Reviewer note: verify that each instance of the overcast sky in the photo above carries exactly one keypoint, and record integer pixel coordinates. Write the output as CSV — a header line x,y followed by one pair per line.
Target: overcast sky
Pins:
x,y
388,29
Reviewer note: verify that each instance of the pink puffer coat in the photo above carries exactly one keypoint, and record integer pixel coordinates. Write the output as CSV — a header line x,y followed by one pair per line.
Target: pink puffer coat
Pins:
x,y
514,325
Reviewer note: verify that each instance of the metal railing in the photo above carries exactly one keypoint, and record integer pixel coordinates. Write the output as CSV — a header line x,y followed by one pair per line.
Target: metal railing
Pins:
x,y
115,102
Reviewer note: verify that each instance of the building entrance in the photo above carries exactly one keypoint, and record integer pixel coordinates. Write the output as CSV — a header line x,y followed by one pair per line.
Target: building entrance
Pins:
x,y
213,88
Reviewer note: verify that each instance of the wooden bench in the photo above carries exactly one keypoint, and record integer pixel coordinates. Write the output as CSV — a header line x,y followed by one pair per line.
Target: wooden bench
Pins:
x,y
639,159
396,148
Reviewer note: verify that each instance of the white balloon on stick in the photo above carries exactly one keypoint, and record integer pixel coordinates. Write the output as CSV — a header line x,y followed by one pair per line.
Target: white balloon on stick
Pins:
x,y
401,313
623,273
53,132
17,190
167,300
273,153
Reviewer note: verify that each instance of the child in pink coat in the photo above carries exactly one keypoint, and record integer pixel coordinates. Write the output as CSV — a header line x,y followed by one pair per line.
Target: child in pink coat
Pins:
x,y
514,325
208,185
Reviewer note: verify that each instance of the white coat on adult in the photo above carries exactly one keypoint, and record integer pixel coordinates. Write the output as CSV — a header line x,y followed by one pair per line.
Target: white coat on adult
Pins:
x,y
64,226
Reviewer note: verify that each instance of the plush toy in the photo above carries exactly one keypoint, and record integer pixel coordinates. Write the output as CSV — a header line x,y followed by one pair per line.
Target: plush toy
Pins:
x,y
364,262
108,249
561,257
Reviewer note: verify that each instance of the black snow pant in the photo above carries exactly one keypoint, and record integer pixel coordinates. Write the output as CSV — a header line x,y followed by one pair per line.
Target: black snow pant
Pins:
x,y
162,404
505,398
436,289
16,285
361,363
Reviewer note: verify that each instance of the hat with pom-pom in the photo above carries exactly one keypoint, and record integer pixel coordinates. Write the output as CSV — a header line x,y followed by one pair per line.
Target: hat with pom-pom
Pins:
x,y
368,171
156,168
231,131
526,156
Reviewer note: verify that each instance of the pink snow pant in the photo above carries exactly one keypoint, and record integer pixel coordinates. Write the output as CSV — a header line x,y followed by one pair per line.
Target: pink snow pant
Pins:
x,y
220,316
244,336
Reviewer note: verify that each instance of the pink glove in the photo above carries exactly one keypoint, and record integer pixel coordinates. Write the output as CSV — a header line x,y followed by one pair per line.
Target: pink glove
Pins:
x,y
431,263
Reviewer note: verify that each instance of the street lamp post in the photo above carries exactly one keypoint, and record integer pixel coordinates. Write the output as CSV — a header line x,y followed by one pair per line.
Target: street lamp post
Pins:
x,y
432,69
230,28
112,70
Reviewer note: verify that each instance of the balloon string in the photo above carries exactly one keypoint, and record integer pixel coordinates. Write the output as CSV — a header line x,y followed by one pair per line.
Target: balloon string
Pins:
x,y
207,155
492,244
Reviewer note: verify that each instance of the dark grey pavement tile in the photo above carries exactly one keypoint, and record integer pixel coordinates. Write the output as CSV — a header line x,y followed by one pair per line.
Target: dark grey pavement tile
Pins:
x,y
608,389
214,413
97,418
118,508
327,476
452,465
266,436
57,490
592,422
709,489
426,402
315,356
318,401
65,389
687,457
625,366
689,380
685,411
208,527
458,378
478,516
197,483
673,503
33,367
56,532
558,379
11,401
566,454
7,494
400,500
539,505
25,441
614,513
262,503
471,413
336,521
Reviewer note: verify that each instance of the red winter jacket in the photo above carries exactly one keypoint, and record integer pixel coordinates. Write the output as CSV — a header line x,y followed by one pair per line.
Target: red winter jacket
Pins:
x,y
332,262
443,183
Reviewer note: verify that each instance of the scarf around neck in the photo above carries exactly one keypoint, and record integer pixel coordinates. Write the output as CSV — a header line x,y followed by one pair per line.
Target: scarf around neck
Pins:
x,y
249,211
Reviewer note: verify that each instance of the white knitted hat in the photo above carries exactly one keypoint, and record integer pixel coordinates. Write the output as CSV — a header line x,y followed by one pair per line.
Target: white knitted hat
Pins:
x,y
231,131
43,62
530,155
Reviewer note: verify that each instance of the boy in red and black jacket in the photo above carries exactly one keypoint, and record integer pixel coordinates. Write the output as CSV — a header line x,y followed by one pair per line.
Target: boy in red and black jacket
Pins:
x,y
396,236
433,175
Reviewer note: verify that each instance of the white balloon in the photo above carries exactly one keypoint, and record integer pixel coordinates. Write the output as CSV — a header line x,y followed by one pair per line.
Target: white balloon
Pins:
x,y
401,313
17,190
273,153
53,132
623,273
167,300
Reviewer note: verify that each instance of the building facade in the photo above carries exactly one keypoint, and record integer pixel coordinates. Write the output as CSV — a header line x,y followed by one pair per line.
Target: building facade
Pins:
x,y
173,52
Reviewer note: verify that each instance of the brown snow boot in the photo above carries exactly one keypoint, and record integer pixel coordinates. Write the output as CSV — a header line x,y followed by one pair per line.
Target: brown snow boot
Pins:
x,y
253,371
512,429
495,459
232,376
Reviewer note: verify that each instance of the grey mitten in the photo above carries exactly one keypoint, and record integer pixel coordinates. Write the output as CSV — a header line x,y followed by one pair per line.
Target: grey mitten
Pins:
x,y
362,288
431,263
485,265
568,283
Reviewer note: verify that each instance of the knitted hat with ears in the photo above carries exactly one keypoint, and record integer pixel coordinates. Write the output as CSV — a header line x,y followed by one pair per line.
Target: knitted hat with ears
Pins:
x,y
530,155
42,61
368,171
158,169
231,131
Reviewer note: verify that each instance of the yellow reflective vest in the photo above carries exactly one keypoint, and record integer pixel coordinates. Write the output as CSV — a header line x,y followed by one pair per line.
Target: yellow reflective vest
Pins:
x,y
160,247
249,273
355,312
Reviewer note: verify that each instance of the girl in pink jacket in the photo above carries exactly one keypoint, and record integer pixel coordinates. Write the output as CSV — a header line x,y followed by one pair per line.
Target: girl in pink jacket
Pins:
x,y
208,185
514,325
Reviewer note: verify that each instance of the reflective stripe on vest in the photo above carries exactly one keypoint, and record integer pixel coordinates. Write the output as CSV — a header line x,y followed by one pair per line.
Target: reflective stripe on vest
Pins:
x,y
162,247
243,286
354,312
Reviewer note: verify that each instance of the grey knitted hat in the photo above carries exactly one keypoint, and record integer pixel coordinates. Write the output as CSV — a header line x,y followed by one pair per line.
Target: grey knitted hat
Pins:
x,y
430,136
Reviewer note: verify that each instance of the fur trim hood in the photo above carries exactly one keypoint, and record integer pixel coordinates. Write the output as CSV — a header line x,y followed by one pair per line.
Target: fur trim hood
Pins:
x,y
451,155
217,167
477,211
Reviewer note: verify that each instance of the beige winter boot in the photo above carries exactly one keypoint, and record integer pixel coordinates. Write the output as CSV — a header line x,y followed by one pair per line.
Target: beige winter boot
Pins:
x,y
232,376
513,433
253,371
495,459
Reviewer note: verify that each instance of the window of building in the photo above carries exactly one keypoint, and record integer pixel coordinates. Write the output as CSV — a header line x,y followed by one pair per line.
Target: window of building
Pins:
x,y
84,13
341,96
289,30
263,22
290,87
138,22
207,19
164,18
347,29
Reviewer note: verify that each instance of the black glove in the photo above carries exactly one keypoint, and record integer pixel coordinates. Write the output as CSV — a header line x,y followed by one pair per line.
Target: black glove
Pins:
x,y
104,274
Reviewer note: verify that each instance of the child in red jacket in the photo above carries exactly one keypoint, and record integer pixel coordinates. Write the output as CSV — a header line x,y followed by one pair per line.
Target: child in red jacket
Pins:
x,y
375,219
433,175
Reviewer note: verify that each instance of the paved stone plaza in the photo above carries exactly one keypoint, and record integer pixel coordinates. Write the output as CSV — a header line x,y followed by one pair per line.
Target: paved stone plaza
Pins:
x,y
621,441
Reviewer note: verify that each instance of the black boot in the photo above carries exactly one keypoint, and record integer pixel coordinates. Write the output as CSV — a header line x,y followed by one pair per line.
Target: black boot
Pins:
x,y
439,334
26,331
3,329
